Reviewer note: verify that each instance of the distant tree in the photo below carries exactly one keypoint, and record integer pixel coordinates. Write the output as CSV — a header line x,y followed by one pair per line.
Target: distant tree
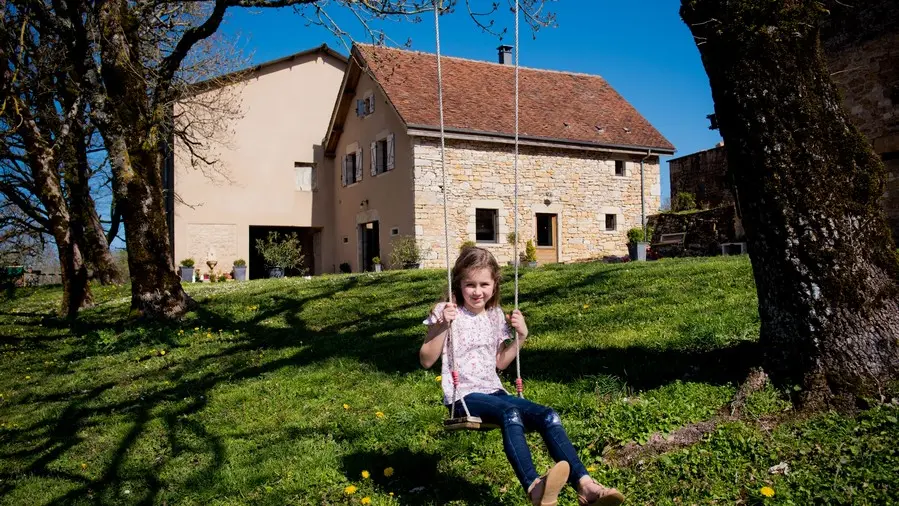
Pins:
x,y
808,187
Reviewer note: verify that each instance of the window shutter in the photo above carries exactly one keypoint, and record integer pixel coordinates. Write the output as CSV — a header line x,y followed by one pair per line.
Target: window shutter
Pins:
x,y
371,108
359,165
343,173
374,158
313,178
390,156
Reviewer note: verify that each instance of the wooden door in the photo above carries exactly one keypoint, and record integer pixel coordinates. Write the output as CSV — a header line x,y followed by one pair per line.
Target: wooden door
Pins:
x,y
547,238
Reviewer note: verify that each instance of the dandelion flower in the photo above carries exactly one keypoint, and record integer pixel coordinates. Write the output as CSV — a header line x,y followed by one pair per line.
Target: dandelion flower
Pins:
x,y
196,328
83,465
350,490
767,491
391,494
28,377
591,469
438,378
366,500
180,332
365,474
162,352
346,406
379,414
388,472
586,306
208,335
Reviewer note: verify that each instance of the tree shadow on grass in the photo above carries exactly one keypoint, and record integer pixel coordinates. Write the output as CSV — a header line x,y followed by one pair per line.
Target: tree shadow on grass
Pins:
x,y
416,478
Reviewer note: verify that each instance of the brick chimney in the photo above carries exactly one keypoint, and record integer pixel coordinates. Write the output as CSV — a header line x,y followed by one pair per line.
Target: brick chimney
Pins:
x,y
505,54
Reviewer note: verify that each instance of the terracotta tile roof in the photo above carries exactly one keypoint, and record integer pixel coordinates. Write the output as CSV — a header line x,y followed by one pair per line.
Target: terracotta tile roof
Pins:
x,y
479,97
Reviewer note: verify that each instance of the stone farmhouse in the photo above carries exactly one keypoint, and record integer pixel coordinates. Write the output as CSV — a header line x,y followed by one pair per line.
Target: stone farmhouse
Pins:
x,y
588,162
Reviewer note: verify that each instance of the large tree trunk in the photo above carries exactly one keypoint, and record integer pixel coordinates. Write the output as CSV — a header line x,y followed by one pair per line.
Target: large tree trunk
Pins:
x,y
808,185
156,290
93,240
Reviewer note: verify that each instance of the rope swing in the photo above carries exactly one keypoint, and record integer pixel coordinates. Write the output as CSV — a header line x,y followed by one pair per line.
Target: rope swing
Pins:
x,y
472,422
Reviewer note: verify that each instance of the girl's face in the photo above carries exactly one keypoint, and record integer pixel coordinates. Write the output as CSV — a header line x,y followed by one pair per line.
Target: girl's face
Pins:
x,y
477,289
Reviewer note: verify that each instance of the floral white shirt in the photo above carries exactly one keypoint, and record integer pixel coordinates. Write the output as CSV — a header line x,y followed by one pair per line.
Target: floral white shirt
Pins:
x,y
477,339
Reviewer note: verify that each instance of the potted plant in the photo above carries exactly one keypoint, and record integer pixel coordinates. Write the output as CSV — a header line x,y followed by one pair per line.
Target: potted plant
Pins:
x,y
637,243
240,269
530,253
406,253
467,244
187,270
377,262
280,254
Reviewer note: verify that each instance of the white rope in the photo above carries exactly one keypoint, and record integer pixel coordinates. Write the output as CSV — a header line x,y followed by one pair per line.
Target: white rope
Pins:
x,y
449,272
516,260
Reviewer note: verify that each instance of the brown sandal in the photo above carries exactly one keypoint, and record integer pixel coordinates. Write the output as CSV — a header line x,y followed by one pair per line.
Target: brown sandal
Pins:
x,y
607,497
552,482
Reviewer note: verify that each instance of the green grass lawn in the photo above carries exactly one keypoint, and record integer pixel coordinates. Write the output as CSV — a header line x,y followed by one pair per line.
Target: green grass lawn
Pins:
x,y
285,391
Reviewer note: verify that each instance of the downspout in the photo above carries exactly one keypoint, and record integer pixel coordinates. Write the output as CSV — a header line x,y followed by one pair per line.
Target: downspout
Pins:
x,y
643,196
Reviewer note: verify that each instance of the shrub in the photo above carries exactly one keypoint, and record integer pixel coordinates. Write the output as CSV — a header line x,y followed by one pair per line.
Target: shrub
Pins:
x,y
530,251
684,201
510,237
405,251
376,260
240,262
187,262
276,252
466,245
635,235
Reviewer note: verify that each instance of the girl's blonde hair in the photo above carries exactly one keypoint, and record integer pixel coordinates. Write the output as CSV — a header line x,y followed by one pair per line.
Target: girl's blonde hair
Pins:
x,y
474,258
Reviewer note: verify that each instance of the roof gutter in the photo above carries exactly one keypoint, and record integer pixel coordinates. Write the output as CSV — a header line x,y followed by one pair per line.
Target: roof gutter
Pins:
x,y
461,133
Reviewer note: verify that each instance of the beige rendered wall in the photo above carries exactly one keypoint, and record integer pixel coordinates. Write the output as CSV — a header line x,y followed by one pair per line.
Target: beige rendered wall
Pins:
x,y
285,109
386,198
580,186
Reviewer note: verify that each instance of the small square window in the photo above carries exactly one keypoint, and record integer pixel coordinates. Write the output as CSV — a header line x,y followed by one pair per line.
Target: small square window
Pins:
x,y
346,240
611,222
619,167
486,225
394,232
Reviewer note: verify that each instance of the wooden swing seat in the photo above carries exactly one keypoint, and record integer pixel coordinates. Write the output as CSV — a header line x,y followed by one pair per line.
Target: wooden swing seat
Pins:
x,y
467,423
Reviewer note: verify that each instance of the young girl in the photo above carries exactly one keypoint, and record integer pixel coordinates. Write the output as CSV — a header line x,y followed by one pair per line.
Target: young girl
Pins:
x,y
479,331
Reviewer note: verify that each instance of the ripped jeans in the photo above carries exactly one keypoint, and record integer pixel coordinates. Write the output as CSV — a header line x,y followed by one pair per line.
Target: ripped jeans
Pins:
x,y
514,415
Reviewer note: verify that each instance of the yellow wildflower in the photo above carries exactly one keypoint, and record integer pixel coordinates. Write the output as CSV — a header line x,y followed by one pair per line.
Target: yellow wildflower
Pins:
x,y
208,335
162,352
767,491
586,306
180,332
28,377
591,469
350,490
196,328
366,500
438,378
83,465
346,406
365,474
388,472
391,494
379,414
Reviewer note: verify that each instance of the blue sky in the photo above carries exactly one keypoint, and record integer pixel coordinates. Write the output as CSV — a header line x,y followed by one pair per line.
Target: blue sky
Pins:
x,y
642,48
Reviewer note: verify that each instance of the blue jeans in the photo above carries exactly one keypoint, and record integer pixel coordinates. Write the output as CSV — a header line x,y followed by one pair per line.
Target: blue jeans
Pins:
x,y
514,415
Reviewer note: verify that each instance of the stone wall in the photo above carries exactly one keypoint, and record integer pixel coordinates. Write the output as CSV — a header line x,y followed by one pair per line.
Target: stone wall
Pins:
x,y
705,231
704,174
579,186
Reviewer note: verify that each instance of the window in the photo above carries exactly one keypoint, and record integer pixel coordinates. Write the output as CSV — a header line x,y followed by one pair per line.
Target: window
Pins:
x,y
382,154
350,168
365,106
394,232
611,222
304,176
486,225
619,167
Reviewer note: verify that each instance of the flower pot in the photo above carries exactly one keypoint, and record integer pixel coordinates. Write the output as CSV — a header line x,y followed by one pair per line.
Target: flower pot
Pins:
x,y
377,267
637,251
240,273
187,274
275,272
532,264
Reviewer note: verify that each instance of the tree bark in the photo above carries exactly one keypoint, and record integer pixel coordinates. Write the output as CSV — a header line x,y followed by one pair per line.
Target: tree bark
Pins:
x,y
807,184
96,247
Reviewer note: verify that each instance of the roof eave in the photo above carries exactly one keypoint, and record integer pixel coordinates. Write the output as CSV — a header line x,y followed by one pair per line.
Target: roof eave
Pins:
x,y
562,142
